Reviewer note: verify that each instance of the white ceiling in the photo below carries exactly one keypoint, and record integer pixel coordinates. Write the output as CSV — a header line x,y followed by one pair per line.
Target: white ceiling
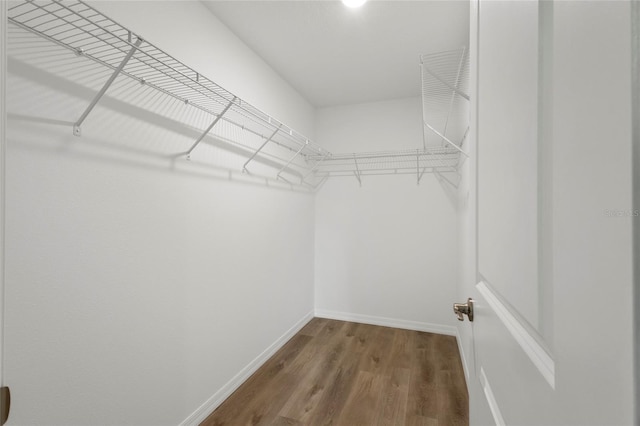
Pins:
x,y
334,55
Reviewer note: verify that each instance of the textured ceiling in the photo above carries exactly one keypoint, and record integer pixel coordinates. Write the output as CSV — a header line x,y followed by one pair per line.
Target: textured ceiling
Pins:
x,y
334,55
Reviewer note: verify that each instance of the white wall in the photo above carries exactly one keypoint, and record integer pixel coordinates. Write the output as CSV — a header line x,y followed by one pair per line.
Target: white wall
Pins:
x,y
386,249
188,31
139,284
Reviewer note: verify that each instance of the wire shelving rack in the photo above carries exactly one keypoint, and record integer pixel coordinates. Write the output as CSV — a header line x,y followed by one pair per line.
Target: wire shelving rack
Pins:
x,y
445,80
88,33
417,161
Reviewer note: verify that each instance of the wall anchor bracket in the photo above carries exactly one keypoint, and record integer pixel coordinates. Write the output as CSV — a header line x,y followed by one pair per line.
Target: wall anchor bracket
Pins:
x,y
105,87
208,129
290,161
244,166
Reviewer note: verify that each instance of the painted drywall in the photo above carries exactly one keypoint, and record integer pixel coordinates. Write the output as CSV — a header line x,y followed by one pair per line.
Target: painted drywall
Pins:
x,y
386,249
138,283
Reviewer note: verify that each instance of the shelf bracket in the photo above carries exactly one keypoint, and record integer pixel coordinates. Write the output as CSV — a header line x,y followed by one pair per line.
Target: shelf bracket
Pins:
x,y
424,169
446,139
76,127
314,168
218,118
244,166
464,137
291,160
357,171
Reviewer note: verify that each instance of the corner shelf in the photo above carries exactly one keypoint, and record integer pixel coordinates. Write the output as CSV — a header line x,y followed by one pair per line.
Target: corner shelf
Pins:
x,y
417,161
445,99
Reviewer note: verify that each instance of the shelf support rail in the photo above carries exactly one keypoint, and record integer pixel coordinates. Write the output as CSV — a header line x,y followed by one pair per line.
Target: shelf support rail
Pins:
x,y
464,137
109,82
291,160
446,139
314,168
275,132
208,129
418,174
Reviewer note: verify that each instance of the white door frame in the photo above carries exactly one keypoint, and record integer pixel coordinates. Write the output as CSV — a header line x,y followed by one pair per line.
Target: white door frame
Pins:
x,y
635,111
3,133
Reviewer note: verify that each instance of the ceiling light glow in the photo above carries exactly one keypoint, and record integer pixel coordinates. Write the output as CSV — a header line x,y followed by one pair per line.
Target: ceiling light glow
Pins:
x,y
353,3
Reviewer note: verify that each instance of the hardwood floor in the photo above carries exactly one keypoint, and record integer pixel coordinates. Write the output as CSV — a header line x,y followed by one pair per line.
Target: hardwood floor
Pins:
x,y
343,373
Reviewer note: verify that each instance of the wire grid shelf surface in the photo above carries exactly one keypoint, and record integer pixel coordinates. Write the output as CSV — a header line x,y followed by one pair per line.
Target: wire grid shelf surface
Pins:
x,y
387,162
445,106
88,33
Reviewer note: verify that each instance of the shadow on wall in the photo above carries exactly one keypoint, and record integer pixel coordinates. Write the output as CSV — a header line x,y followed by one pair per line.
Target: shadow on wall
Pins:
x,y
449,186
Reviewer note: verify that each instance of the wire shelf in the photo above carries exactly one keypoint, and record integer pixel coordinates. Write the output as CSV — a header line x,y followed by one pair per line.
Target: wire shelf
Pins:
x,y
79,28
417,161
445,85
87,32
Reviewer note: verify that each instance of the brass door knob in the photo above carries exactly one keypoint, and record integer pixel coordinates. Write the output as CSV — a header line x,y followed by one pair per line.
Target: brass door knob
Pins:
x,y
461,309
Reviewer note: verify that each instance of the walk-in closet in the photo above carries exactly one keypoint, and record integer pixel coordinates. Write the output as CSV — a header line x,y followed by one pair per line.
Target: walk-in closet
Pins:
x,y
315,212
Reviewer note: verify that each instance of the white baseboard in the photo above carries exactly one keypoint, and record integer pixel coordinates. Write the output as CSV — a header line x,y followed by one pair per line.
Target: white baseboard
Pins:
x,y
529,344
388,322
491,400
223,393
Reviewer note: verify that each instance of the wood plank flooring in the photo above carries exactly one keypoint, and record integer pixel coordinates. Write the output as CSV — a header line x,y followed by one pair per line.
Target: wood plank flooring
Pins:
x,y
349,374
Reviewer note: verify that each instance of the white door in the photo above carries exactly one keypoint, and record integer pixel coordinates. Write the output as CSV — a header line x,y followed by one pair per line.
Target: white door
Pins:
x,y
3,122
549,214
